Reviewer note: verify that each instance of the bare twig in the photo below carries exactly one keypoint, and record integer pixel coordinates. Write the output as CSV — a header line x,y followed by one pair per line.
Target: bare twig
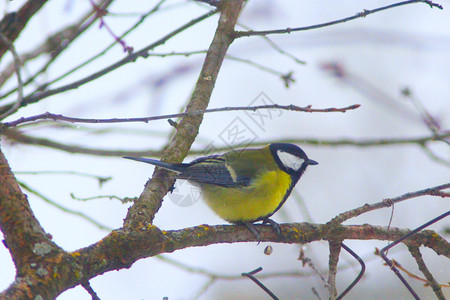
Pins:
x,y
433,191
101,179
307,261
100,13
433,156
415,252
362,14
87,286
37,96
19,137
109,47
54,46
286,78
430,121
110,197
396,242
278,48
65,209
407,272
17,65
335,249
57,117
369,90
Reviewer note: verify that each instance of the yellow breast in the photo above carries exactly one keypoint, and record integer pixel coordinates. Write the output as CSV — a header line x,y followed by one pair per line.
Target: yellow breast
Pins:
x,y
251,203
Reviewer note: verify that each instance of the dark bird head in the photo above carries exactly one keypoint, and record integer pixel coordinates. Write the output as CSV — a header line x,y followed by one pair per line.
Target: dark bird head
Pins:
x,y
290,158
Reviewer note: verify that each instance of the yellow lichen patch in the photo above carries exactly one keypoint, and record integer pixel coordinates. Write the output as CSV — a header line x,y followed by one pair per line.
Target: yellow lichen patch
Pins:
x,y
295,229
75,254
204,227
78,274
114,234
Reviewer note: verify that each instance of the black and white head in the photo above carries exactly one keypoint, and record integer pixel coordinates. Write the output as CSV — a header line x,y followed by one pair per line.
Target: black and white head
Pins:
x,y
290,158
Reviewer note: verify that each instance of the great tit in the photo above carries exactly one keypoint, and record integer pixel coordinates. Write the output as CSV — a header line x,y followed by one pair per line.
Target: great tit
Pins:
x,y
244,186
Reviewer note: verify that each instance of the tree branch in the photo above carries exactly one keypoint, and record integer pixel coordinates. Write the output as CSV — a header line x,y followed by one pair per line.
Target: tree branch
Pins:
x,y
335,250
433,191
22,232
17,65
292,107
362,14
145,208
415,252
53,46
12,24
17,136
39,95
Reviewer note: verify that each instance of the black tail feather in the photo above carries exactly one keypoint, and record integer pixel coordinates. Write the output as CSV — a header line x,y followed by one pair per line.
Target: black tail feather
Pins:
x,y
168,166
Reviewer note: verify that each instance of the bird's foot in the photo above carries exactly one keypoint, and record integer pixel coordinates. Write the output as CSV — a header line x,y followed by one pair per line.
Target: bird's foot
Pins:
x,y
172,188
253,230
274,225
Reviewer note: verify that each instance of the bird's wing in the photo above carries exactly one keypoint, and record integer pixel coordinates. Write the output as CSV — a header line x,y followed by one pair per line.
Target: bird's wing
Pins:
x,y
213,170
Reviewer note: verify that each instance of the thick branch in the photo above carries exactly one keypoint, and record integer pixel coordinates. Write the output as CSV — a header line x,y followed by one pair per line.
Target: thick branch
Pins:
x,y
123,247
144,210
22,232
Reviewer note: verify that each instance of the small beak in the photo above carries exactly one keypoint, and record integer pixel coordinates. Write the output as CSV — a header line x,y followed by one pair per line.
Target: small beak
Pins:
x,y
311,162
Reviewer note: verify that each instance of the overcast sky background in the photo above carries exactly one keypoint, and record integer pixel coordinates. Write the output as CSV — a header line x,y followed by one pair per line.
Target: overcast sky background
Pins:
x,y
403,47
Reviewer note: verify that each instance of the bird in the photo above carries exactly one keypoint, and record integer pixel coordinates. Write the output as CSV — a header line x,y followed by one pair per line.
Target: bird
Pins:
x,y
244,186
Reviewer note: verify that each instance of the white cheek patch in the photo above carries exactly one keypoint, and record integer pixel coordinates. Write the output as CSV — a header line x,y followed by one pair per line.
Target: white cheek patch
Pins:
x,y
290,161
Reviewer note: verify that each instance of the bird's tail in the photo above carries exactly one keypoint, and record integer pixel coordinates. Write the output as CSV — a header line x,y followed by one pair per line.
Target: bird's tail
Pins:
x,y
178,168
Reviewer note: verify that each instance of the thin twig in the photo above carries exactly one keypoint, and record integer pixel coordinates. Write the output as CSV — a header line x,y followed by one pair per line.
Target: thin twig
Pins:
x,y
100,13
433,156
204,288
101,179
37,96
54,46
87,286
277,48
57,117
362,14
430,121
415,252
307,261
286,78
409,273
110,197
101,53
17,65
396,242
19,137
65,209
433,191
